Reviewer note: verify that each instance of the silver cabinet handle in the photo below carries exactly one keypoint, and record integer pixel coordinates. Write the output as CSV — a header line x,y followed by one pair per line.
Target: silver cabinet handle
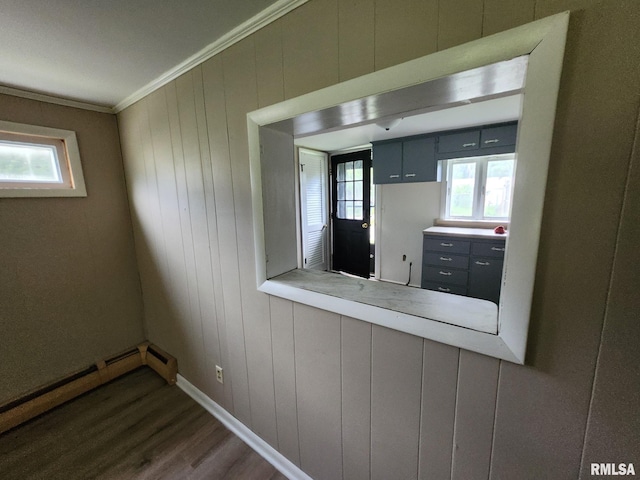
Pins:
x,y
446,259
394,176
497,249
446,290
408,175
446,274
484,264
446,244
493,140
465,145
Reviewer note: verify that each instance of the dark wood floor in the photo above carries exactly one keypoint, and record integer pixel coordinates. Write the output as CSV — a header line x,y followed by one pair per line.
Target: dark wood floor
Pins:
x,y
136,427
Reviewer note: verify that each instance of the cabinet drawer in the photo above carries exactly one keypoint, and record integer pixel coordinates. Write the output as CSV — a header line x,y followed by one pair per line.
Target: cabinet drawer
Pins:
x,y
446,260
493,249
441,287
445,275
459,142
498,136
446,244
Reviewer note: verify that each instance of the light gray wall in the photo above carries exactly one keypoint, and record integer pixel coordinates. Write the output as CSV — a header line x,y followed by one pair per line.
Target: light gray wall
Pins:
x,y
346,399
69,286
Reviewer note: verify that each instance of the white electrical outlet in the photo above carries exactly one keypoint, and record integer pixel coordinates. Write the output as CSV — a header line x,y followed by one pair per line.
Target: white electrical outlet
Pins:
x,y
219,374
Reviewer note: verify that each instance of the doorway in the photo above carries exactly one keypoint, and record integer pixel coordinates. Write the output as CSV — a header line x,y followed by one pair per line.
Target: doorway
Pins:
x,y
351,213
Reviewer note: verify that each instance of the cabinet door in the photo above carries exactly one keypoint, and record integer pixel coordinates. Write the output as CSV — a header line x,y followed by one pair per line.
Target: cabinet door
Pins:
x,y
419,160
387,163
459,142
498,136
485,278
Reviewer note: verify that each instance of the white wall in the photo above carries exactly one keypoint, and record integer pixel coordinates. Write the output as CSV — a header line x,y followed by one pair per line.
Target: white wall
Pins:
x,y
405,210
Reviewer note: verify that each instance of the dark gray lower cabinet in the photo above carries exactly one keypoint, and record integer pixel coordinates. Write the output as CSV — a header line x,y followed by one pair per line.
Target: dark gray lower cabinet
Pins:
x,y
463,266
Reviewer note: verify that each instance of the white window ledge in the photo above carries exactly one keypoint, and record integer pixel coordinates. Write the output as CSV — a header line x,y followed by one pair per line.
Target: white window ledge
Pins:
x,y
414,304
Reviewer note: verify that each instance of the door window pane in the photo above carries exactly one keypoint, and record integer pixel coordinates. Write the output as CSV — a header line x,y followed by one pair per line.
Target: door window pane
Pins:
x,y
349,210
357,170
342,209
349,188
341,191
357,211
340,175
348,171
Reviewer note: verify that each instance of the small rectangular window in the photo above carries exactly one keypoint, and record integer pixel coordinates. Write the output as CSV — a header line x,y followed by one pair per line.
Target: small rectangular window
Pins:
x,y
39,162
479,188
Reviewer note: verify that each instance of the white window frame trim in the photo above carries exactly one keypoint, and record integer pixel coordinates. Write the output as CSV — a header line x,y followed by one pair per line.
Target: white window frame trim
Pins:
x,y
544,41
481,162
77,187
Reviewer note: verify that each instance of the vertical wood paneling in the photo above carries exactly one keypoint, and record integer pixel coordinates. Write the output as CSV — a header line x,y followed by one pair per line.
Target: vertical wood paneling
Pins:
x,y
284,377
269,73
542,414
184,213
241,97
542,408
232,352
475,410
176,280
356,399
317,347
613,429
211,307
459,21
159,327
439,387
356,37
500,15
396,377
404,31
310,47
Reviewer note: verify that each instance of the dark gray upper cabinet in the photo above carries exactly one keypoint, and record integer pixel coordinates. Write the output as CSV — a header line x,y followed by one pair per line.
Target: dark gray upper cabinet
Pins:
x,y
406,160
459,142
387,162
498,136
415,159
478,141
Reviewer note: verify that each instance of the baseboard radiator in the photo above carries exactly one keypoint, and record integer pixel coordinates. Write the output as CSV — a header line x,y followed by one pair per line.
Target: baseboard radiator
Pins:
x,y
50,396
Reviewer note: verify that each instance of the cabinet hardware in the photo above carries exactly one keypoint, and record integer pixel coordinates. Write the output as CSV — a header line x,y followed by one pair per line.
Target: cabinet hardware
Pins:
x,y
446,244
465,145
446,259
497,249
394,176
484,264
446,290
409,175
446,274
493,140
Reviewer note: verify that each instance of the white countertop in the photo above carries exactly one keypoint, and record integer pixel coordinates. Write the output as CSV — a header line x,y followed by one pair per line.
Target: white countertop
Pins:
x,y
466,232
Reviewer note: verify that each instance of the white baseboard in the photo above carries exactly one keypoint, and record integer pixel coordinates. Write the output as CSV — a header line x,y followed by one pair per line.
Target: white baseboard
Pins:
x,y
266,451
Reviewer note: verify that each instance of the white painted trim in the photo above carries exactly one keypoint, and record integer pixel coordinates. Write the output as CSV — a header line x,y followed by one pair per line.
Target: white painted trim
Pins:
x,y
41,97
261,447
544,42
255,23
78,188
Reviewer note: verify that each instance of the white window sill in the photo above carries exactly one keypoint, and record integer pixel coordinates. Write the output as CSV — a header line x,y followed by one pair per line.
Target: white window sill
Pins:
x,y
412,310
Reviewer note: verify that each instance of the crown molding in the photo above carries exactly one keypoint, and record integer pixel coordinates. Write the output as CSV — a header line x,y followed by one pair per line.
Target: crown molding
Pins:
x,y
42,97
266,16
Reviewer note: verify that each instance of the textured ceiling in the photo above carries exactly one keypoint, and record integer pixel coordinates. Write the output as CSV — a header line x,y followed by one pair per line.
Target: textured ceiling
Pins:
x,y
102,51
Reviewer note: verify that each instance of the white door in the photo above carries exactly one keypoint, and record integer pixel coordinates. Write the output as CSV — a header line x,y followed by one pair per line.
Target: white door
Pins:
x,y
314,186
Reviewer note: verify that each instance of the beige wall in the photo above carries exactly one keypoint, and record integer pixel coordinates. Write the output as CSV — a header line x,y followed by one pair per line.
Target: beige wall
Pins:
x,y
347,399
69,287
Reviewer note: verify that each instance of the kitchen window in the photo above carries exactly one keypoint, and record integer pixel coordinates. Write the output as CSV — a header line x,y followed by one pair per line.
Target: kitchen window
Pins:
x,y
478,188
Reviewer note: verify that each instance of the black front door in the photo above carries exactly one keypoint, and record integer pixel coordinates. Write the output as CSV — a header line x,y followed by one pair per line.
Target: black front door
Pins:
x,y
350,213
